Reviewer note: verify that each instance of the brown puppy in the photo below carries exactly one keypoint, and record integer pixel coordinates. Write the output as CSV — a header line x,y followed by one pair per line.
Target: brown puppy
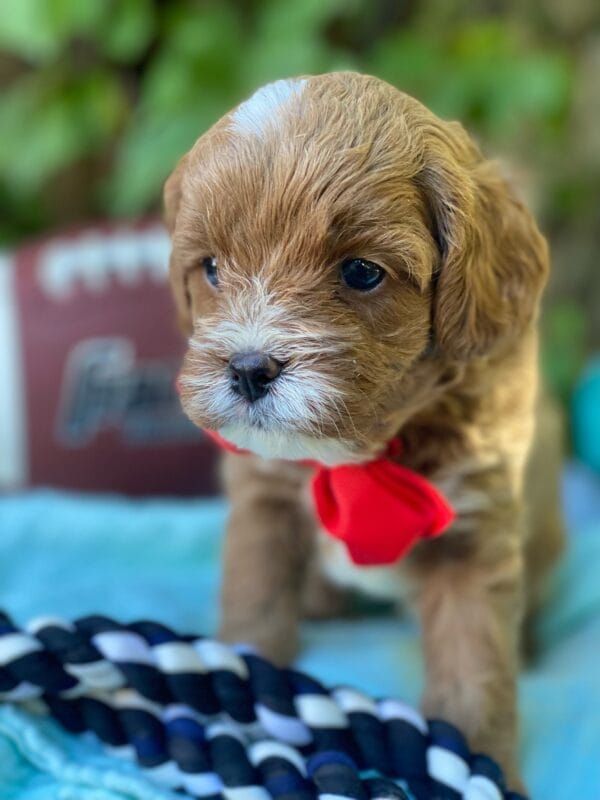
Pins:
x,y
386,280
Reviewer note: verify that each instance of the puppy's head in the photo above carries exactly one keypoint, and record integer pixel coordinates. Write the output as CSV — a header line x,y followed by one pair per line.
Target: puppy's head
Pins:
x,y
336,249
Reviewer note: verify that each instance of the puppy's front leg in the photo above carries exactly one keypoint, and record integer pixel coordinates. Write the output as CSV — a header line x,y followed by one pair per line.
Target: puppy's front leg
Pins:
x,y
470,602
267,547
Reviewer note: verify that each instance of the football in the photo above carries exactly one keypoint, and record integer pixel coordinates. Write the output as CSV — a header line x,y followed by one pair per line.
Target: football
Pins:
x,y
89,354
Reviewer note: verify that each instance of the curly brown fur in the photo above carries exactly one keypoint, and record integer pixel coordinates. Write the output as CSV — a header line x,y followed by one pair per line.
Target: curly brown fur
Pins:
x,y
443,352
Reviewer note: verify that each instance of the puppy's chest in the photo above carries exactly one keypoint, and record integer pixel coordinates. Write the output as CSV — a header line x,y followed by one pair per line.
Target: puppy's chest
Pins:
x,y
393,582
382,582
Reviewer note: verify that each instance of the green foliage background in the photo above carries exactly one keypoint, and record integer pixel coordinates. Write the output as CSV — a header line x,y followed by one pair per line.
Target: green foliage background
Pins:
x,y
100,97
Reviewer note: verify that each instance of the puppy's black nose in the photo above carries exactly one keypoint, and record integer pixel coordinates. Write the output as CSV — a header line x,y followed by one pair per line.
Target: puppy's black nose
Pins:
x,y
251,374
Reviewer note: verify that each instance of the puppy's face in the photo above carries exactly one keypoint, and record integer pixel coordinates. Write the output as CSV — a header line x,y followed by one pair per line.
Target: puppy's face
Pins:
x,y
307,237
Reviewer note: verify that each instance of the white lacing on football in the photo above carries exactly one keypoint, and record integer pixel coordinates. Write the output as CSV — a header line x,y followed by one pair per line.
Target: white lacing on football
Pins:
x,y
13,427
96,259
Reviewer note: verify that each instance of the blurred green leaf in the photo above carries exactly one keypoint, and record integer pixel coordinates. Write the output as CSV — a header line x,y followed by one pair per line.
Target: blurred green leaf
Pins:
x,y
564,347
289,41
150,151
481,74
46,123
127,30
192,81
37,30
202,51
25,30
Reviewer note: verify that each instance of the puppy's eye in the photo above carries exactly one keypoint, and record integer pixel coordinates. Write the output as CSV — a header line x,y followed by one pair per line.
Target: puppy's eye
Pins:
x,y
361,275
210,268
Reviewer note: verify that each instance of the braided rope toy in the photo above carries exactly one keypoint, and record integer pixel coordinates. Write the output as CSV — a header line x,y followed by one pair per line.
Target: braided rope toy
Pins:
x,y
222,722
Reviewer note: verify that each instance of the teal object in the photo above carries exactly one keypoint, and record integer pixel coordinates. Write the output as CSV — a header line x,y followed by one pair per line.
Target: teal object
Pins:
x,y
586,416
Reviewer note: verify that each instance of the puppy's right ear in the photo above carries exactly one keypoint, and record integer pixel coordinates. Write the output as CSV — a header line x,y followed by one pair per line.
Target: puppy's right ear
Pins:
x,y
172,192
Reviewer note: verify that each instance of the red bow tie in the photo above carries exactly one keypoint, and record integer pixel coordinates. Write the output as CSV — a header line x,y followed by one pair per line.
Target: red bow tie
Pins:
x,y
379,509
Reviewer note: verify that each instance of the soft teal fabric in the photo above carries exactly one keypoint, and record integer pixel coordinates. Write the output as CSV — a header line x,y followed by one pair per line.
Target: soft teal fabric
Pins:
x,y
72,555
585,417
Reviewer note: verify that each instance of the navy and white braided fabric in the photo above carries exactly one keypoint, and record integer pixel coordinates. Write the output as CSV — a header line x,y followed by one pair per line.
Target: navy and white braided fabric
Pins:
x,y
222,722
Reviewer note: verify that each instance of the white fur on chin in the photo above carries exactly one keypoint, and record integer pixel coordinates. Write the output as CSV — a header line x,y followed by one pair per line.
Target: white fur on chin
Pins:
x,y
291,447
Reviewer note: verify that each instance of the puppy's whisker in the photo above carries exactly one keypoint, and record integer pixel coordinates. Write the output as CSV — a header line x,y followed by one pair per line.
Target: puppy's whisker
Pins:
x,y
340,401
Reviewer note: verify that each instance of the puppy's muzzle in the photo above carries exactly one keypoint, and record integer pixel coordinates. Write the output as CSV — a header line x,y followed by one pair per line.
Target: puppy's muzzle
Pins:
x,y
252,374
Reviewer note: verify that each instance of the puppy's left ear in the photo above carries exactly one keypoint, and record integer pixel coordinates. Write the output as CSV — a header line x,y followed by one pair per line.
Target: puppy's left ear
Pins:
x,y
172,192
493,259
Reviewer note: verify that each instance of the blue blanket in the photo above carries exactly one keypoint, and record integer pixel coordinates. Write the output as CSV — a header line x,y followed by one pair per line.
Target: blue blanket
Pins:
x,y
72,555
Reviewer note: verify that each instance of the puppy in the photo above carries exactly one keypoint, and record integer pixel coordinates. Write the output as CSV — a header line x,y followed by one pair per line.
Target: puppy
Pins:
x,y
350,269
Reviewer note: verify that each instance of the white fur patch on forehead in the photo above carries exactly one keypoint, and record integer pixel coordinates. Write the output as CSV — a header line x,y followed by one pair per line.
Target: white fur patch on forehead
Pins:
x,y
261,110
